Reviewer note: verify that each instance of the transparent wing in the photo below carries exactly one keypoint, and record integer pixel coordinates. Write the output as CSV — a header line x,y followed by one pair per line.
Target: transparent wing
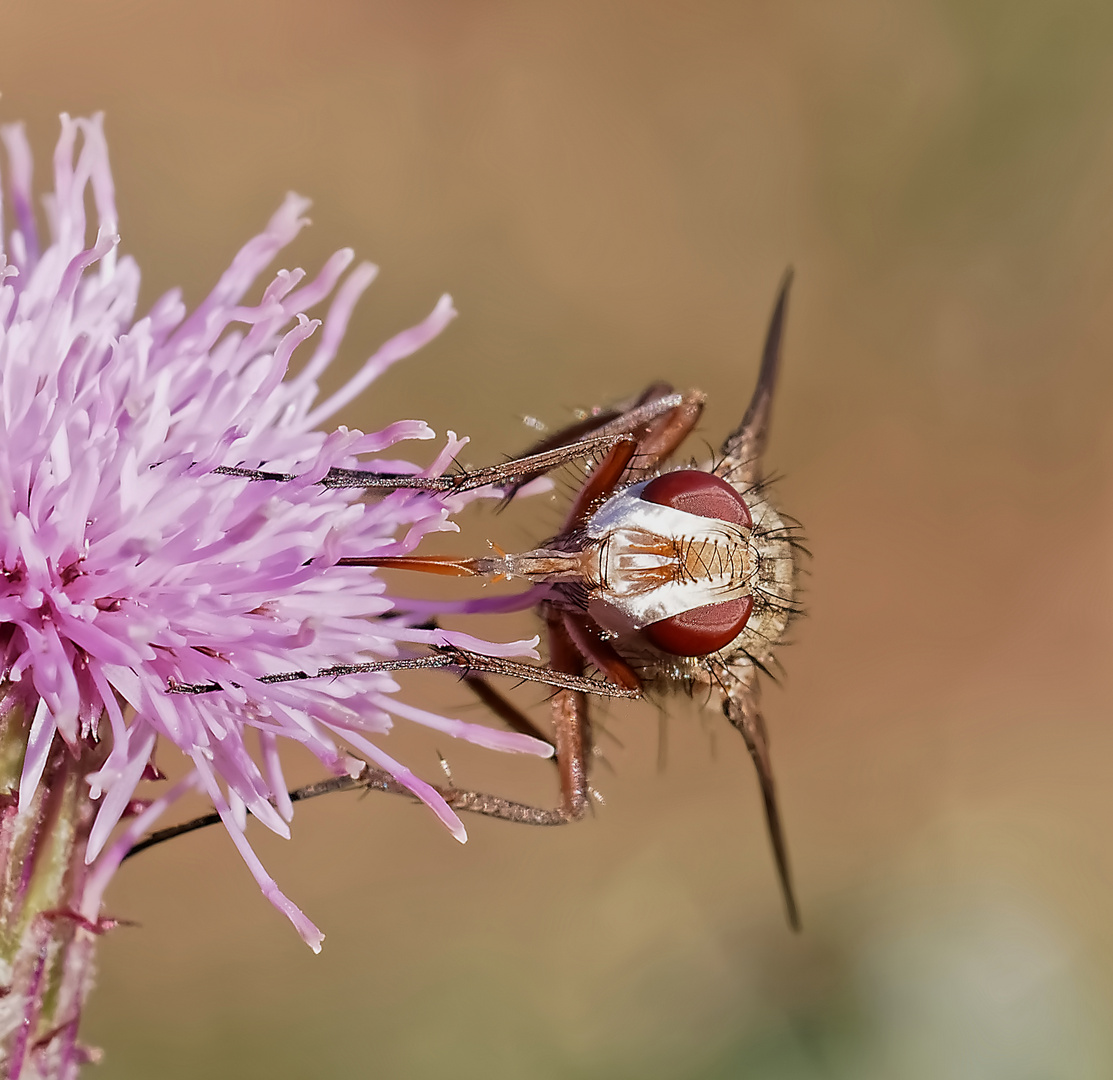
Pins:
x,y
744,448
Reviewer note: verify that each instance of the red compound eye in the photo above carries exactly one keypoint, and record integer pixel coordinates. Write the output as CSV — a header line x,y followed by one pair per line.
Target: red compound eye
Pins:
x,y
698,493
707,629
702,630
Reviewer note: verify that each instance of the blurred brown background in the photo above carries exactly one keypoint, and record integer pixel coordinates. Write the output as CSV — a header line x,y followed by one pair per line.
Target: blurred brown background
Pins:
x,y
611,193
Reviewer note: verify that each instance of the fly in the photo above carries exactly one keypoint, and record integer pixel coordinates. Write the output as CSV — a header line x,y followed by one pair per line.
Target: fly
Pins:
x,y
659,578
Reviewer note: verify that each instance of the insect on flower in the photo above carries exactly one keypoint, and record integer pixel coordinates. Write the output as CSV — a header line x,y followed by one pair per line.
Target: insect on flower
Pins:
x,y
660,577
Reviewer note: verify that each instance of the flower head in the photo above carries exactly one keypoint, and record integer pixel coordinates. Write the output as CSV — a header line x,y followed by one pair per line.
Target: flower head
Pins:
x,y
127,563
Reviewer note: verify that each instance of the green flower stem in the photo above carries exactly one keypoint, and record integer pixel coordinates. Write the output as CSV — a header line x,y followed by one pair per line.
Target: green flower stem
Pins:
x,y
46,949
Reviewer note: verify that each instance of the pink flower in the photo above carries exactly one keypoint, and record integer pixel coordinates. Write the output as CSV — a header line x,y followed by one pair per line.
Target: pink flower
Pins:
x,y
127,563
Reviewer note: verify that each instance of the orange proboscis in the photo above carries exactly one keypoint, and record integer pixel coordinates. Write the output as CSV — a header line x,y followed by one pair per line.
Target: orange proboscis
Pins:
x,y
445,565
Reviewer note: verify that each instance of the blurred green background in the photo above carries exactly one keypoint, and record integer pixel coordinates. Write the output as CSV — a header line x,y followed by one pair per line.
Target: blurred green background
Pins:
x,y
611,192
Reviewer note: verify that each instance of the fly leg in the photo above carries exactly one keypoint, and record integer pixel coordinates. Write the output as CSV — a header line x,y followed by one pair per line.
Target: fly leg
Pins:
x,y
518,470
655,401
574,641
583,440
743,711
570,722
571,730
506,711
571,736
372,778
664,435
443,658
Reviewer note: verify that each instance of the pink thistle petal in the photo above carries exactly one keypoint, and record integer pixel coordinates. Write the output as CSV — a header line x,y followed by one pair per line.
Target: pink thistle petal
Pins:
x,y
19,183
248,263
336,322
138,752
397,348
103,869
447,456
425,792
275,776
309,933
104,188
321,286
526,648
492,738
130,563
38,748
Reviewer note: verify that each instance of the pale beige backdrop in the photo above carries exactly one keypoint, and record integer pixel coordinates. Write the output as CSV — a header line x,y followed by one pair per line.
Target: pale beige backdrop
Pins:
x,y
611,193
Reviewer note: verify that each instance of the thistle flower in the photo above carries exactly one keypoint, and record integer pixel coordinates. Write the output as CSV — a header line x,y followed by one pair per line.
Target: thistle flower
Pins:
x,y
127,563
